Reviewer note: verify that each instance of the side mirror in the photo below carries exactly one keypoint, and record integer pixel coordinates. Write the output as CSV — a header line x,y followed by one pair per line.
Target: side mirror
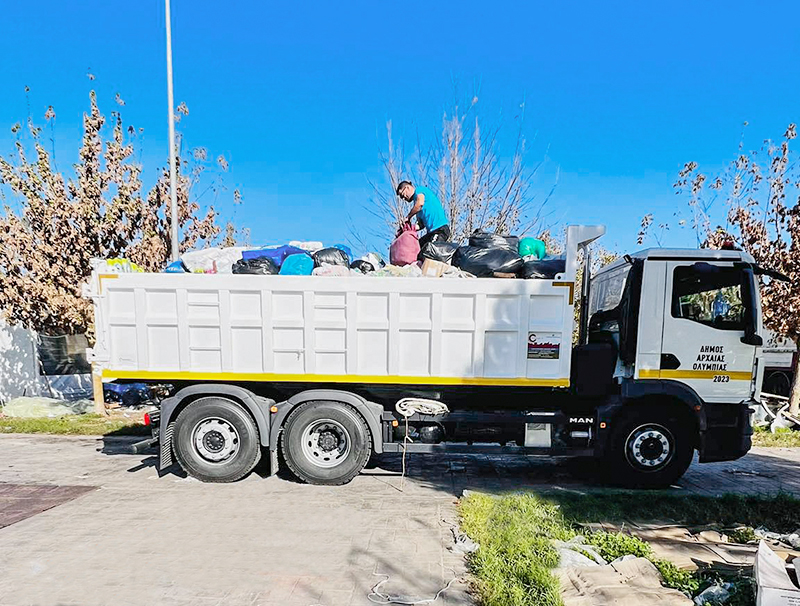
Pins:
x,y
752,339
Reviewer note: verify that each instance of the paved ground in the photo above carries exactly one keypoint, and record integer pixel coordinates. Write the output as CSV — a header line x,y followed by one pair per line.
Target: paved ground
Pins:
x,y
139,539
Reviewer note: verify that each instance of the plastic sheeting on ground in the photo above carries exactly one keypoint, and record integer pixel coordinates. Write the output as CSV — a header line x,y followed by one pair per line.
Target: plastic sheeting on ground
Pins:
x,y
631,582
30,408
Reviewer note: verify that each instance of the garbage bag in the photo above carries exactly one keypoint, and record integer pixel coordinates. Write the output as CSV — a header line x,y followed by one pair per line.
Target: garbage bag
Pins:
x,y
484,262
481,239
212,260
309,247
331,270
261,266
438,251
405,248
176,267
375,259
543,269
331,256
299,264
363,266
278,255
346,250
532,246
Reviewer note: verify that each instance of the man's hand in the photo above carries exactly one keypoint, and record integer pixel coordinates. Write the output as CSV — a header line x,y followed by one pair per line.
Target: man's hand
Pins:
x,y
419,201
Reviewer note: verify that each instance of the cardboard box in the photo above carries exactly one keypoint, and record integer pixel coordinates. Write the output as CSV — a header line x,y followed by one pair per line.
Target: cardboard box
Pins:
x,y
433,269
775,586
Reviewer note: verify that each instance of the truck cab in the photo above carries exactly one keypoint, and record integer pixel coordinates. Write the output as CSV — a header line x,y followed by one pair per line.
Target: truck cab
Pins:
x,y
683,330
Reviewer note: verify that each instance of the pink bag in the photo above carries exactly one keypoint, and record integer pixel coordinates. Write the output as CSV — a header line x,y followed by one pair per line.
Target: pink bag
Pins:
x,y
405,248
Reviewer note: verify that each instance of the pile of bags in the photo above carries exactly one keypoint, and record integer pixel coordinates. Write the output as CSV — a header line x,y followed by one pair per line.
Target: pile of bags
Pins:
x,y
486,255
293,259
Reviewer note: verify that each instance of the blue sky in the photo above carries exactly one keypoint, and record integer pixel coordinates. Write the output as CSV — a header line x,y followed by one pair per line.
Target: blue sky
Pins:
x,y
296,94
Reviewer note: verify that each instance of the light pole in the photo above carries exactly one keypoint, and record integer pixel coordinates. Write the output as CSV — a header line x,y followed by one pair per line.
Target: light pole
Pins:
x,y
173,170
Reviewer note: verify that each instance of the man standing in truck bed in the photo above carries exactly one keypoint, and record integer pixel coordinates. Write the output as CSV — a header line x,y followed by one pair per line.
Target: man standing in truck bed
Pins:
x,y
428,209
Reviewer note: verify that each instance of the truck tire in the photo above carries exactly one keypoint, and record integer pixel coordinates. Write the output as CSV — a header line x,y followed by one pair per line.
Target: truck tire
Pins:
x,y
216,440
650,448
326,443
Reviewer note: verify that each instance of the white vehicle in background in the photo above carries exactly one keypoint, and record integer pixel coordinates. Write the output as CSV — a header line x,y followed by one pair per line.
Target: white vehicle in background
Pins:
x,y
330,370
778,356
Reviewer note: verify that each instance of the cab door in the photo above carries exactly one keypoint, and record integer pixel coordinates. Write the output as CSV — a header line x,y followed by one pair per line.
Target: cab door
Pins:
x,y
706,342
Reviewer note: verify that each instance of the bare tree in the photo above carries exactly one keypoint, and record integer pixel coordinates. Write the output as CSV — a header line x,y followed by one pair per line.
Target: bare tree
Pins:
x,y
54,224
760,211
480,185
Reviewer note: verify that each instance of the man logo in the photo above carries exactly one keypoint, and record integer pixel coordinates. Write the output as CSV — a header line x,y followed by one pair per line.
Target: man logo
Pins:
x,y
581,420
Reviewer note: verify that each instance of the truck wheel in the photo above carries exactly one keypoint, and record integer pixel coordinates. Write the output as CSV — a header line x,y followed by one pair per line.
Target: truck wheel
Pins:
x,y
326,443
216,440
649,449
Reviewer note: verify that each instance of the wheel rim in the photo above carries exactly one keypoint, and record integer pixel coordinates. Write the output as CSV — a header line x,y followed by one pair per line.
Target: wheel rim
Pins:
x,y
650,447
326,443
215,440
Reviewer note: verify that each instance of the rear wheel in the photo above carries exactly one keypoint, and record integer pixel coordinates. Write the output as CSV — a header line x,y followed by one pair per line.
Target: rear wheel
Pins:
x,y
216,440
326,443
650,448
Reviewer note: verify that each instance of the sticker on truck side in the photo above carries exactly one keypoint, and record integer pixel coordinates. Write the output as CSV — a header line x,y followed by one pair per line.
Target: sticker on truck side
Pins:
x,y
544,345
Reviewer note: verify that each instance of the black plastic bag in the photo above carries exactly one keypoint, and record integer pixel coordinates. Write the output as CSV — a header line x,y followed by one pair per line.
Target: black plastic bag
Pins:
x,y
438,251
363,266
261,266
331,256
480,239
543,269
484,262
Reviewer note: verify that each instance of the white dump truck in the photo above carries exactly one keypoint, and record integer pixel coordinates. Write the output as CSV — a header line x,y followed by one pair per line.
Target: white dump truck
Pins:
x,y
330,370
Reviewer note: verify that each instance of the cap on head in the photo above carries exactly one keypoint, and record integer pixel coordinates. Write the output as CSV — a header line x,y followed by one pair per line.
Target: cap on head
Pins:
x,y
401,185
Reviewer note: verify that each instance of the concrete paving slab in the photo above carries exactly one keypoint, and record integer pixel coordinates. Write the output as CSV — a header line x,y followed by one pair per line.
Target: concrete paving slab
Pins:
x,y
143,539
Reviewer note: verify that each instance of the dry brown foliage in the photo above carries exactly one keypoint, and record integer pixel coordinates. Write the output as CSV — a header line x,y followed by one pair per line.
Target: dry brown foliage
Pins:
x,y
760,212
53,224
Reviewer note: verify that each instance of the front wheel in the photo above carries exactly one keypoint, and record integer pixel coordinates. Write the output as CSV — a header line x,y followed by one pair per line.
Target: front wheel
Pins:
x,y
649,449
326,443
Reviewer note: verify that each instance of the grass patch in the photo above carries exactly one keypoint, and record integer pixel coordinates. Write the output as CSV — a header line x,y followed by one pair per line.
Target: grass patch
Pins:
x,y
783,437
516,533
77,425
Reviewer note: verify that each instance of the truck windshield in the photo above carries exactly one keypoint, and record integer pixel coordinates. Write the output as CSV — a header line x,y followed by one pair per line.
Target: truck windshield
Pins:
x,y
607,288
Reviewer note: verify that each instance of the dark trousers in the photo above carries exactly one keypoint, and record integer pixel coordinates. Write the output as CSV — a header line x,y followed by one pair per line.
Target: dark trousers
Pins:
x,y
440,234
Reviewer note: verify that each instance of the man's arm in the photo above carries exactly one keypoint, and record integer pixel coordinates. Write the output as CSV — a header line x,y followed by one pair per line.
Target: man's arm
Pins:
x,y
418,204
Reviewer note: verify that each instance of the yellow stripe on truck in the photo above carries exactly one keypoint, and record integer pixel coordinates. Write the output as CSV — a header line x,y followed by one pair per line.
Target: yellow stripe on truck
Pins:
x,y
647,373
313,378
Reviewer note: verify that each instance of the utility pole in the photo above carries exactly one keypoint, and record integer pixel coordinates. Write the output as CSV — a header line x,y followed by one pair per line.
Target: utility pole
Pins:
x,y
173,169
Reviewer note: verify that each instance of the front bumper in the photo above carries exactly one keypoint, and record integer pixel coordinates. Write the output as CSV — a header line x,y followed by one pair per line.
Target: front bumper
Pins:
x,y
728,433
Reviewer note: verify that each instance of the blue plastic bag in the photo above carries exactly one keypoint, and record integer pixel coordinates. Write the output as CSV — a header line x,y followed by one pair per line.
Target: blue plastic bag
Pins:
x,y
276,255
346,250
300,264
176,267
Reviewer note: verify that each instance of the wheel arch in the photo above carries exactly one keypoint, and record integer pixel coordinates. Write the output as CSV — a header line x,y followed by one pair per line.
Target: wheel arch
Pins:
x,y
256,406
369,411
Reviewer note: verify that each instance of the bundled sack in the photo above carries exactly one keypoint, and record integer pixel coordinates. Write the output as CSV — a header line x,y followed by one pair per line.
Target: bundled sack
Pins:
x,y
438,251
346,250
362,266
299,264
481,239
212,260
485,262
331,271
543,269
277,255
263,266
331,256
405,248
532,246
375,259
176,267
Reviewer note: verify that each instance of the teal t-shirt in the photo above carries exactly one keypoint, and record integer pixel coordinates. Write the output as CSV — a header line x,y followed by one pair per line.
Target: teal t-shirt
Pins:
x,y
432,215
